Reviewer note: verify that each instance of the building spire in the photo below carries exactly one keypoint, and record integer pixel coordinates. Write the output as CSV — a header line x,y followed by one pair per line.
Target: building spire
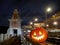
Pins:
x,y
15,14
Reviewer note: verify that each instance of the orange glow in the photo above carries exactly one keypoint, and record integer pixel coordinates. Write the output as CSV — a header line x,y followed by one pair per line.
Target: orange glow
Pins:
x,y
38,38
34,34
38,35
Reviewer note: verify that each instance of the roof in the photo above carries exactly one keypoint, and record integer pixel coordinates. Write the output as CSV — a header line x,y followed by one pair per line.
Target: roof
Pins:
x,y
15,14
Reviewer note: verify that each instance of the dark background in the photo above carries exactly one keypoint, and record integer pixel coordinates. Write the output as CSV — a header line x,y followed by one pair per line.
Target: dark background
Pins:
x,y
28,10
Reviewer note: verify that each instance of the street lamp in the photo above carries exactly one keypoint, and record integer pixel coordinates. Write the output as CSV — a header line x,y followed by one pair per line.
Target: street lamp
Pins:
x,y
31,23
35,22
47,25
55,23
36,19
47,10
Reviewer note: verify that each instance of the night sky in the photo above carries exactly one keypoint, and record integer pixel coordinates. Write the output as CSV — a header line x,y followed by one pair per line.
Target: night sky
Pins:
x,y
28,10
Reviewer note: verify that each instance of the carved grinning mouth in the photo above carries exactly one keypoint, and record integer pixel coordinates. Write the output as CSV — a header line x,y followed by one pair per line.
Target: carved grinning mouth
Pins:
x,y
38,37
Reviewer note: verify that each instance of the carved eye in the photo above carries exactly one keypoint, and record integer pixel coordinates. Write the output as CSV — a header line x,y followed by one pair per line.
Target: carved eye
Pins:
x,y
40,33
34,34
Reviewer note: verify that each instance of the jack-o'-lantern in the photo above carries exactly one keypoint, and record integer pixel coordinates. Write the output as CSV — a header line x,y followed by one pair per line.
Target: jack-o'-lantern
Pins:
x,y
39,35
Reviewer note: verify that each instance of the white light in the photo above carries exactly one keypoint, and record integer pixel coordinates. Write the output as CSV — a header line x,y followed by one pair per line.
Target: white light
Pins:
x,y
47,25
29,30
36,19
35,24
31,23
48,9
24,31
55,23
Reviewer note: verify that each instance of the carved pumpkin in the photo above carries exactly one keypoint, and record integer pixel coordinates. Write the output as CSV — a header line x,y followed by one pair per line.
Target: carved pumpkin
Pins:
x,y
38,35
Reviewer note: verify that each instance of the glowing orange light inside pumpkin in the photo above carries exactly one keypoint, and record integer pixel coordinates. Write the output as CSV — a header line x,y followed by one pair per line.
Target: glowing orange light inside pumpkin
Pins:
x,y
38,35
34,34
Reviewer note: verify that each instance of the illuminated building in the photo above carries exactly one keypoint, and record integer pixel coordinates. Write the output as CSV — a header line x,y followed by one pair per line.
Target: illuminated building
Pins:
x,y
14,25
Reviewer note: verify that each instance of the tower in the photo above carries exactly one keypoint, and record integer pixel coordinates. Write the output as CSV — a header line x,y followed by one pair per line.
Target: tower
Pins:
x,y
14,25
